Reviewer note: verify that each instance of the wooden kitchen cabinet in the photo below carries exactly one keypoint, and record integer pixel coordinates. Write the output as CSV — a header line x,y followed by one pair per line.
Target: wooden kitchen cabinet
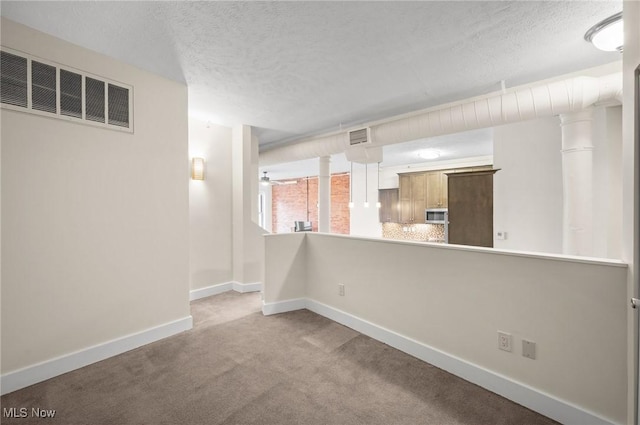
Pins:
x,y
412,195
471,208
437,189
389,207
427,189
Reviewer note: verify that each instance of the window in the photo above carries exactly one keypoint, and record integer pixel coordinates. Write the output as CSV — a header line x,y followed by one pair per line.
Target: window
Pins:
x,y
59,91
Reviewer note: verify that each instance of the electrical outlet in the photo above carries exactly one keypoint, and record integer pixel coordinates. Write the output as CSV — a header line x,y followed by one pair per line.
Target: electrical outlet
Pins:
x,y
505,341
341,289
529,349
501,235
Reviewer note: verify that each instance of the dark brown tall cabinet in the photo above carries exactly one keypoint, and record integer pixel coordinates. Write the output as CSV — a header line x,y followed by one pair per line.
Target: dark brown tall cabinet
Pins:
x,y
471,208
388,205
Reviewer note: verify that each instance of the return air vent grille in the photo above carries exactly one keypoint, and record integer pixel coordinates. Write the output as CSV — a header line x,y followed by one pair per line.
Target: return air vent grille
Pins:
x,y
43,87
30,84
118,106
13,86
94,102
359,137
70,94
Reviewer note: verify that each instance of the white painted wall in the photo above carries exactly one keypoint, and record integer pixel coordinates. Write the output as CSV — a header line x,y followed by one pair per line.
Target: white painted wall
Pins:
x,y
454,300
210,232
630,181
528,188
95,222
365,221
247,247
285,266
607,182
527,191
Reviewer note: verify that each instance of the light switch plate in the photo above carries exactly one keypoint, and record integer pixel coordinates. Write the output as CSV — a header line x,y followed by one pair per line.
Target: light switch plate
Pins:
x,y
529,349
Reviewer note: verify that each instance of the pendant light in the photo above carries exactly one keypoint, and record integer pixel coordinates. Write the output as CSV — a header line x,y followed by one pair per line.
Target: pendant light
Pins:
x,y
366,185
351,186
264,180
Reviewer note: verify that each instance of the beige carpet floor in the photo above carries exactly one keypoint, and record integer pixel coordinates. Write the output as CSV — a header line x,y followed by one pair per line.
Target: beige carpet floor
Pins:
x,y
238,367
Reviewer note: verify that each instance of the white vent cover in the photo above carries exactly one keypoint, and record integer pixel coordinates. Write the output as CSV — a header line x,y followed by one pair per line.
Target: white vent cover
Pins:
x,y
359,137
30,84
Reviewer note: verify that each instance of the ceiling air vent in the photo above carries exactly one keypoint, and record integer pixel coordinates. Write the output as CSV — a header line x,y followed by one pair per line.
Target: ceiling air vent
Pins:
x,y
61,92
359,137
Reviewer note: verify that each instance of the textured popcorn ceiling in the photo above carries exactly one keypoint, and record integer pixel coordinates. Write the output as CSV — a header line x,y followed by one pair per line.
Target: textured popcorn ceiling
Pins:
x,y
299,68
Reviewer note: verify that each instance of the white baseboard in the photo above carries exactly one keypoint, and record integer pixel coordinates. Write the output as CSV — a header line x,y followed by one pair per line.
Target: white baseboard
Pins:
x,y
21,378
247,287
535,400
284,306
196,294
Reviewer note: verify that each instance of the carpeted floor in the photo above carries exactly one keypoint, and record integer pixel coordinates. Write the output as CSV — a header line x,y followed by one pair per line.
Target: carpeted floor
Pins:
x,y
238,367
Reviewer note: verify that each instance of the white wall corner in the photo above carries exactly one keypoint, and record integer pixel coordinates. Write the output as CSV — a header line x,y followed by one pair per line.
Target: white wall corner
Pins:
x,y
30,375
196,294
247,287
283,306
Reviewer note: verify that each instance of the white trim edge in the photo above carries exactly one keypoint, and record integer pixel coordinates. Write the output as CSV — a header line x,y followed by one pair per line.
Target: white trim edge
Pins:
x,y
247,287
284,306
196,294
39,372
520,393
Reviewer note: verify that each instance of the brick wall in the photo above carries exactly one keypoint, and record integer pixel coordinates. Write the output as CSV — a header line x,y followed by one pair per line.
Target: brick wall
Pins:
x,y
289,204
340,214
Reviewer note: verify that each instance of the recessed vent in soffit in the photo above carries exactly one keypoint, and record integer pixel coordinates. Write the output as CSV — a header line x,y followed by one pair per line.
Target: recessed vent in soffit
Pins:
x,y
58,91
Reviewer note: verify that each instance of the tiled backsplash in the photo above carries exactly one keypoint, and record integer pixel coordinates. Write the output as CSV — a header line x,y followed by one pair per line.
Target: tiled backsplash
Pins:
x,y
414,232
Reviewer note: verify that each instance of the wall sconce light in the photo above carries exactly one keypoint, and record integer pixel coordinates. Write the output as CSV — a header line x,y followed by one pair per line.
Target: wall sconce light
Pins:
x,y
197,169
608,34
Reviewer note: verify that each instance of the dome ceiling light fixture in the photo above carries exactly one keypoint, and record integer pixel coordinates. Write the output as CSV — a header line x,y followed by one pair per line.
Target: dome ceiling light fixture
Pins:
x,y
608,34
429,154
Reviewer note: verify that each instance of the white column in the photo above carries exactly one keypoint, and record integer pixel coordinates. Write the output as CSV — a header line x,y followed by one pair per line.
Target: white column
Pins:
x,y
324,195
577,182
244,160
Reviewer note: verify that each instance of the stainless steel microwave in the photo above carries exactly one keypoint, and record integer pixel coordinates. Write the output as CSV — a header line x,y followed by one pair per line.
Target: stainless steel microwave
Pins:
x,y
436,215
